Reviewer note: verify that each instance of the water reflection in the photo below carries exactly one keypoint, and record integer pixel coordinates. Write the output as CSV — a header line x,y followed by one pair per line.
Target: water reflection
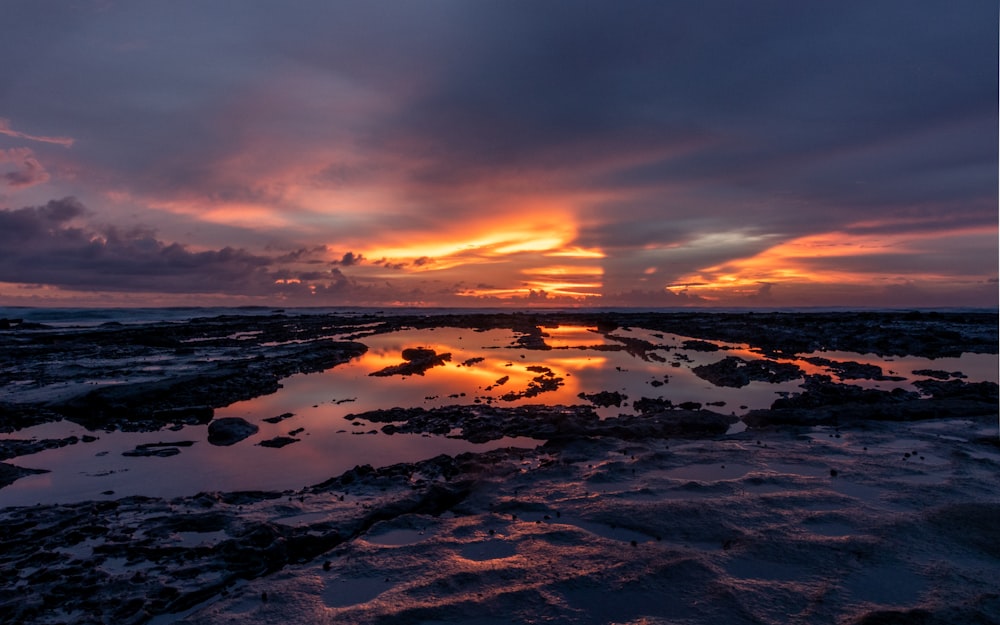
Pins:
x,y
485,367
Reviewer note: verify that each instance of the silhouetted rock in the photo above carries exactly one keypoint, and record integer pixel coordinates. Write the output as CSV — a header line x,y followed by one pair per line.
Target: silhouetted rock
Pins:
x,y
278,441
418,360
851,370
9,473
229,431
604,398
735,372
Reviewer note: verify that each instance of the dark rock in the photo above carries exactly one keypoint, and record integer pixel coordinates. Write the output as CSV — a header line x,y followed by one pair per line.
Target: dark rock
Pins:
x,y
278,441
605,399
418,360
850,370
938,374
696,345
159,452
229,431
647,405
279,418
9,473
957,389
735,372
825,403
532,337
13,447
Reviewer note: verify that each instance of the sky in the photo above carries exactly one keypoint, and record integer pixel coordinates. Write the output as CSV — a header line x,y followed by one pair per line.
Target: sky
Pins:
x,y
485,153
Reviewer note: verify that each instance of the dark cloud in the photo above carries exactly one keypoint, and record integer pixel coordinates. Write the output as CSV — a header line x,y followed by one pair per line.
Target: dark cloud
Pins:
x,y
674,121
31,222
40,245
349,259
311,256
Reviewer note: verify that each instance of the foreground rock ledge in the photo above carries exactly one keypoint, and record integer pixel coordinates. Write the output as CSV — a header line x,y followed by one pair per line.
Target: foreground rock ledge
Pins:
x,y
771,525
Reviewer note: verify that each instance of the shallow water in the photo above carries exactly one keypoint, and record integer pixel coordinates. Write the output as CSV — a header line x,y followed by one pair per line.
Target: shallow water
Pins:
x,y
484,368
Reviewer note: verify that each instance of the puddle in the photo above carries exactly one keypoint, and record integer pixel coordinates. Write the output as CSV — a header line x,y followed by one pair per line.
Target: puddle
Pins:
x,y
489,550
484,368
340,593
611,532
755,568
886,585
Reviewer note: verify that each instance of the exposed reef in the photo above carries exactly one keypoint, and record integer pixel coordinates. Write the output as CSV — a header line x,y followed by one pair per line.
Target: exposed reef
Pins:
x,y
825,507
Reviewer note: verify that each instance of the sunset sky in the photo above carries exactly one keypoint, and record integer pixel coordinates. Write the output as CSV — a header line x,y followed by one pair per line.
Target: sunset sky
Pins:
x,y
499,152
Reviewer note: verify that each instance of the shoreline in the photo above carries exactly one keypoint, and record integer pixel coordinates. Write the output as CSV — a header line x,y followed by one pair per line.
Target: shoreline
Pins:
x,y
800,516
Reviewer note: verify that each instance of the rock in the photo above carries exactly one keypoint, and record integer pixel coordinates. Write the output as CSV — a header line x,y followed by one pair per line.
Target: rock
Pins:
x,y
696,345
229,431
647,405
278,441
851,370
734,372
418,360
9,473
280,418
605,398
939,374
159,452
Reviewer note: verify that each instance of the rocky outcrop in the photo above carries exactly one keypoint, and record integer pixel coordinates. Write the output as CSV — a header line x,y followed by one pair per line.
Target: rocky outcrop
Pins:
x,y
735,372
417,360
229,431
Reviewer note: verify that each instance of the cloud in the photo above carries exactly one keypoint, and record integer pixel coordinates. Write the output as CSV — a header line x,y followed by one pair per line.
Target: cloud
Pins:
x,y
19,226
349,259
30,172
672,136
5,129
41,244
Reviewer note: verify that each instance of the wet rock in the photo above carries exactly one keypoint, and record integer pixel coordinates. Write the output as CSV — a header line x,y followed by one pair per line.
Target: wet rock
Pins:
x,y
546,382
957,389
278,441
850,370
826,402
158,452
648,405
279,418
696,345
939,374
12,448
605,399
532,337
418,360
229,431
9,473
638,347
735,372
672,424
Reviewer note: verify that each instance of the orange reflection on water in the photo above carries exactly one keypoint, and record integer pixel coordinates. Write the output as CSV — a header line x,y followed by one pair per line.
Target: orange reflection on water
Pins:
x,y
572,336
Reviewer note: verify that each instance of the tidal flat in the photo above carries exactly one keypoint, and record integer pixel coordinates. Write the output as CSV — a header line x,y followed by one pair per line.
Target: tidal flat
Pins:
x,y
572,467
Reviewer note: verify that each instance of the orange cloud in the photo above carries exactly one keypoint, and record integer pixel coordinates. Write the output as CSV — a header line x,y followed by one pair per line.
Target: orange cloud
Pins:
x,y
839,258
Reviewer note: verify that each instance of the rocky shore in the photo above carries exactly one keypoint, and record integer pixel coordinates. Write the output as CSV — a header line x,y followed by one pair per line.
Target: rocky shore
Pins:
x,y
838,504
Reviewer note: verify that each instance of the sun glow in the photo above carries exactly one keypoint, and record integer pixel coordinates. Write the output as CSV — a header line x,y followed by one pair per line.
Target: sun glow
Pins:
x,y
817,259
